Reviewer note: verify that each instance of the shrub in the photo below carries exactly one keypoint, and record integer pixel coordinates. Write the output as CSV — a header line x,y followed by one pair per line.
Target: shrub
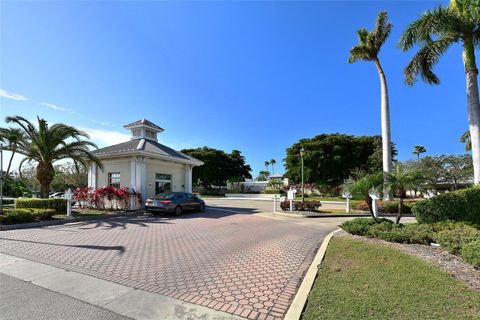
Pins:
x,y
8,201
361,205
462,205
392,207
308,205
25,215
409,233
59,205
360,226
455,236
470,252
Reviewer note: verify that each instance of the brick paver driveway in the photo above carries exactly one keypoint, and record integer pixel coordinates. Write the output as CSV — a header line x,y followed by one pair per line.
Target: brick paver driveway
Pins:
x,y
240,263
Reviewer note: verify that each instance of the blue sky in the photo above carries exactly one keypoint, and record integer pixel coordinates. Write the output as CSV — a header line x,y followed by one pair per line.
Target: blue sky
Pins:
x,y
253,76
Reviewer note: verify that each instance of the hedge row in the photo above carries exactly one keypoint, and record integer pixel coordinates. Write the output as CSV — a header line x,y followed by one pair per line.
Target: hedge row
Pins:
x,y
57,204
462,205
25,215
386,230
457,237
384,206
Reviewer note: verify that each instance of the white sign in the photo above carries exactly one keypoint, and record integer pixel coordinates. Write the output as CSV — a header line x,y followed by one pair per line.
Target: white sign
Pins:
x,y
346,195
291,194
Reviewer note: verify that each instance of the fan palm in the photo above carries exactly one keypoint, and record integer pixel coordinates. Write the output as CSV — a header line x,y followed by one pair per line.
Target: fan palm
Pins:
x,y
272,162
418,150
435,31
368,49
12,136
45,145
465,138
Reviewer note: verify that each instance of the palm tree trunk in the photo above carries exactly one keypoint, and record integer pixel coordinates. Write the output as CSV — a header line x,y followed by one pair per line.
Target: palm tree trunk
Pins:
x,y
400,208
473,106
386,136
10,163
45,175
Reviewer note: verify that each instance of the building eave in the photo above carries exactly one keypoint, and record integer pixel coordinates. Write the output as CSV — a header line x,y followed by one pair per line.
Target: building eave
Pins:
x,y
193,162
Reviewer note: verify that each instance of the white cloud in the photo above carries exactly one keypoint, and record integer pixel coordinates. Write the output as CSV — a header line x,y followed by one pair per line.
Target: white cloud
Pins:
x,y
12,96
102,123
55,107
105,137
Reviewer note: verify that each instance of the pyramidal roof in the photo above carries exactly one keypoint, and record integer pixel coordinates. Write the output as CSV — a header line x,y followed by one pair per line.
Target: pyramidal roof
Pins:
x,y
148,148
143,123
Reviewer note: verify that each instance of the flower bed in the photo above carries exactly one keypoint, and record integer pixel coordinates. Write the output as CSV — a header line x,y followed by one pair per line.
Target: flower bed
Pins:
x,y
107,198
307,205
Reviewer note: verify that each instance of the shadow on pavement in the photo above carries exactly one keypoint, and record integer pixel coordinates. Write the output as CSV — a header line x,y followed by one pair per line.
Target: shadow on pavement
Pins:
x,y
120,249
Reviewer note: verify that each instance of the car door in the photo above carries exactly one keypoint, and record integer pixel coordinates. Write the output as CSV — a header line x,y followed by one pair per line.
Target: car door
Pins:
x,y
192,204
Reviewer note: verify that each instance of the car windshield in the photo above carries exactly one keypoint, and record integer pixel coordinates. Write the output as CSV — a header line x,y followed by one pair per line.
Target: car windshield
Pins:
x,y
170,195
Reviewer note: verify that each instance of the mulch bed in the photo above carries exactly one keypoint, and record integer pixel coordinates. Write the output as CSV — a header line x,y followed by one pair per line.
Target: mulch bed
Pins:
x,y
438,256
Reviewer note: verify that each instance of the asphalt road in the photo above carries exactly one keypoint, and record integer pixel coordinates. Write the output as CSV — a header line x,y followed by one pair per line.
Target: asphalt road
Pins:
x,y
23,300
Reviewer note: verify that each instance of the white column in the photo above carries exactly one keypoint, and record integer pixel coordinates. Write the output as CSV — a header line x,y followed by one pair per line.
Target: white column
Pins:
x,y
188,178
140,176
92,176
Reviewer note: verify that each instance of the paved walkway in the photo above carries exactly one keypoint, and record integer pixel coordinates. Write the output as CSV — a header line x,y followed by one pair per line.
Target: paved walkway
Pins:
x,y
227,258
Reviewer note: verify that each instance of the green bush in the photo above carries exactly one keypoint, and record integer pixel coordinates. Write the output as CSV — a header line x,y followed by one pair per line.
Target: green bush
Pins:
x,y
455,236
392,207
57,204
409,233
470,252
273,191
8,201
360,226
25,215
462,205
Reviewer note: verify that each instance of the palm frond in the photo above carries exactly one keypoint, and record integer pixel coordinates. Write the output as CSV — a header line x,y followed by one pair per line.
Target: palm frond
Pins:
x,y
422,62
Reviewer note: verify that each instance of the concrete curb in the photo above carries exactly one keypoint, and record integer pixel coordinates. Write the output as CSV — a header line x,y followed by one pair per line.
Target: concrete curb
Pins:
x,y
295,310
4,227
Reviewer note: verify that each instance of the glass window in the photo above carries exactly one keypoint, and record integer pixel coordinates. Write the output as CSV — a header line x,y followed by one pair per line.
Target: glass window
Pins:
x,y
114,179
163,176
179,196
188,196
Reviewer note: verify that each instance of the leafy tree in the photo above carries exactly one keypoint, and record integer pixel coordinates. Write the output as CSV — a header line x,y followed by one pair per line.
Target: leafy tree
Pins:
x,y
67,176
11,136
218,166
434,32
263,175
44,145
330,158
465,138
456,168
15,188
418,150
272,162
266,163
368,49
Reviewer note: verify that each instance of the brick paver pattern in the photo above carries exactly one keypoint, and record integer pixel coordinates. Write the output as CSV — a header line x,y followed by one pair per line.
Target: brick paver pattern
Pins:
x,y
241,264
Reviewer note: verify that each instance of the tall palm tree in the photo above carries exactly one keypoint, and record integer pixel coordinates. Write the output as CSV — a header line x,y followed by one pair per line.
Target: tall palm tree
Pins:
x,y
11,136
418,150
272,162
465,138
267,163
435,31
367,49
45,145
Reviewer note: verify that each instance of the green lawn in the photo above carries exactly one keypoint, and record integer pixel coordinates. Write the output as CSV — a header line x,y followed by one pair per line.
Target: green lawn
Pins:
x,y
358,280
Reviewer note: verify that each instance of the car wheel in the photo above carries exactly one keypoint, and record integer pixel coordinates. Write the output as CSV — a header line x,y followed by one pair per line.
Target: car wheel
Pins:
x,y
202,207
178,211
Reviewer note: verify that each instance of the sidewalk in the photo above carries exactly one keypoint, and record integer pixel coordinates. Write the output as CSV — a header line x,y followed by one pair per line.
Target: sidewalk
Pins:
x,y
103,298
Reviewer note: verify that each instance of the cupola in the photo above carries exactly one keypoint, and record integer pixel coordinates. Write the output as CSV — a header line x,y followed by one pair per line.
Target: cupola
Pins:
x,y
143,129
